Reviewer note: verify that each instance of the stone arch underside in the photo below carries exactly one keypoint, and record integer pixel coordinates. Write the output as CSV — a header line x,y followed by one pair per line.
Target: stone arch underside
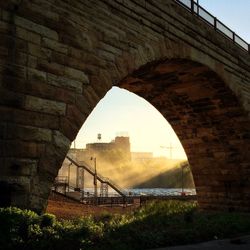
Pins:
x,y
210,123
57,60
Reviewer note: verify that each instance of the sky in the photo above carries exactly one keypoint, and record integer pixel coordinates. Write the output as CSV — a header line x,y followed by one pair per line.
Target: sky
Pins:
x,y
233,13
123,111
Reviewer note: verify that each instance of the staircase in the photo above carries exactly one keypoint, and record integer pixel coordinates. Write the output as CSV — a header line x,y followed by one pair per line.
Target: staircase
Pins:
x,y
99,177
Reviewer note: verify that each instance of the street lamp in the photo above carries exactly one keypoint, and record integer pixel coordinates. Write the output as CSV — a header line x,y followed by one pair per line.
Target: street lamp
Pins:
x,y
95,176
182,180
70,164
183,165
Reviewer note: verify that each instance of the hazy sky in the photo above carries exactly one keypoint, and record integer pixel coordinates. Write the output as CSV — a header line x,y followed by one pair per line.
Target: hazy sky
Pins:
x,y
121,110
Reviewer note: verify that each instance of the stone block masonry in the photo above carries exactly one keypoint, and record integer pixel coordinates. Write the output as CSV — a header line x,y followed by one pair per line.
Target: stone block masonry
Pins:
x,y
59,58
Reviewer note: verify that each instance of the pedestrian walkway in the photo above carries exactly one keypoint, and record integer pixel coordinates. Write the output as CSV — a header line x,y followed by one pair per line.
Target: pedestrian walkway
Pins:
x,y
241,243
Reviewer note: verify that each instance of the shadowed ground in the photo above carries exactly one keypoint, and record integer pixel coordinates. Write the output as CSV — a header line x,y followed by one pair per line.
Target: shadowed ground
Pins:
x,y
241,243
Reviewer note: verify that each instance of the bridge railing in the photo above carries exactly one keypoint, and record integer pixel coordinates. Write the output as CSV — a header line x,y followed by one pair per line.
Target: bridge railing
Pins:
x,y
196,9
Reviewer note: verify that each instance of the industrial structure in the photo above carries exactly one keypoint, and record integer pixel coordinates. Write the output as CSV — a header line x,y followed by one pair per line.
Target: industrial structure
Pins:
x,y
80,179
80,165
76,189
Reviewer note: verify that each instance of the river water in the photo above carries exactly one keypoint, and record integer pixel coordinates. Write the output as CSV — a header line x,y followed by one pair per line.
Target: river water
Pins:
x,y
160,191
148,191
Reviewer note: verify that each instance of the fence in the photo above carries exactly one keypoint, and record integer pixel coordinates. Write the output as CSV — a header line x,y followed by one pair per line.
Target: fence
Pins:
x,y
211,20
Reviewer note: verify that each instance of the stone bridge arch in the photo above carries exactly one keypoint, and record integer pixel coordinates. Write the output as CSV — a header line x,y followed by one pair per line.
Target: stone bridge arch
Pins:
x,y
58,59
209,121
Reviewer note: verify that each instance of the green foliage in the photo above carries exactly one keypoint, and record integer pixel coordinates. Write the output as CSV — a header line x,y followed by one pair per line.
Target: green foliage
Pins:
x,y
48,220
154,225
15,223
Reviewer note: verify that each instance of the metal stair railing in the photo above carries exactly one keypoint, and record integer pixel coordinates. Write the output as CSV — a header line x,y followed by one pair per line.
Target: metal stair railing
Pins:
x,y
99,177
61,179
113,185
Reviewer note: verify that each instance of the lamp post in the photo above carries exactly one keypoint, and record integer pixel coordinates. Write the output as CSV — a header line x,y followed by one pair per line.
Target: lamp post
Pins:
x,y
182,180
95,176
69,174
183,165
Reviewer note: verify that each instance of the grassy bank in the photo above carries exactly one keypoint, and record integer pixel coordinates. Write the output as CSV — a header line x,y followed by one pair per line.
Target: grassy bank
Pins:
x,y
155,225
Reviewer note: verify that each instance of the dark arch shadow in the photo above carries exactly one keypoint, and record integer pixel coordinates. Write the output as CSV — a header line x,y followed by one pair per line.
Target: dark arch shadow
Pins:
x,y
209,121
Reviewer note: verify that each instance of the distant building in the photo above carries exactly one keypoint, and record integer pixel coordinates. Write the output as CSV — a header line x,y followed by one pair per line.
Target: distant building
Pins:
x,y
119,146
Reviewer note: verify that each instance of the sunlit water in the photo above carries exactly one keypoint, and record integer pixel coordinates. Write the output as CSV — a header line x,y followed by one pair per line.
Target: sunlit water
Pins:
x,y
160,191
150,191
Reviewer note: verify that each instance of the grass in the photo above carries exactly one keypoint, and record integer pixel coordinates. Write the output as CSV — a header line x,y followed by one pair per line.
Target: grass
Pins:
x,y
155,225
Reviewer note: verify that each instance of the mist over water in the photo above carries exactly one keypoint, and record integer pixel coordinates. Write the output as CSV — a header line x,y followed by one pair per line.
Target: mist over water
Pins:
x,y
159,175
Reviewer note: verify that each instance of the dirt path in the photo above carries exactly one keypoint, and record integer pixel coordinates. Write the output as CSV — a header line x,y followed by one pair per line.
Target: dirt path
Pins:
x,y
68,209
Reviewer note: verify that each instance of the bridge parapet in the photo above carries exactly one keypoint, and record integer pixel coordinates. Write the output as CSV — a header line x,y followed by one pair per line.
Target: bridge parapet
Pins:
x,y
211,20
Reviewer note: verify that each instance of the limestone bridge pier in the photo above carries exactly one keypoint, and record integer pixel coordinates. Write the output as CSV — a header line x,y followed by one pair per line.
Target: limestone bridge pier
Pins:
x,y
58,58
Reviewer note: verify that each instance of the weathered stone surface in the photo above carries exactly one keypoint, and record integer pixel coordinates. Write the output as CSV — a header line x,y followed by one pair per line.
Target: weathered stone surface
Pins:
x,y
41,89
22,149
65,83
55,46
61,141
28,36
25,117
45,106
76,75
31,26
68,128
27,133
18,167
34,74
58,59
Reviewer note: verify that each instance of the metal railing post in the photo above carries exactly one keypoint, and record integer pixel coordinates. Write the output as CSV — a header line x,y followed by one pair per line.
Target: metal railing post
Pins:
x,y
215,23
192,6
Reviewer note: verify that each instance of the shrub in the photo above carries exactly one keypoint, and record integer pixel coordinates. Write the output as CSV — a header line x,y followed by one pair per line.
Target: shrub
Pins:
x,y
154,225
47,220
14,228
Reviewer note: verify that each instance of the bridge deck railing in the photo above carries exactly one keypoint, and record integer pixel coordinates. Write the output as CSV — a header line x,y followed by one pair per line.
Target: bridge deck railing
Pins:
x,y
196,9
